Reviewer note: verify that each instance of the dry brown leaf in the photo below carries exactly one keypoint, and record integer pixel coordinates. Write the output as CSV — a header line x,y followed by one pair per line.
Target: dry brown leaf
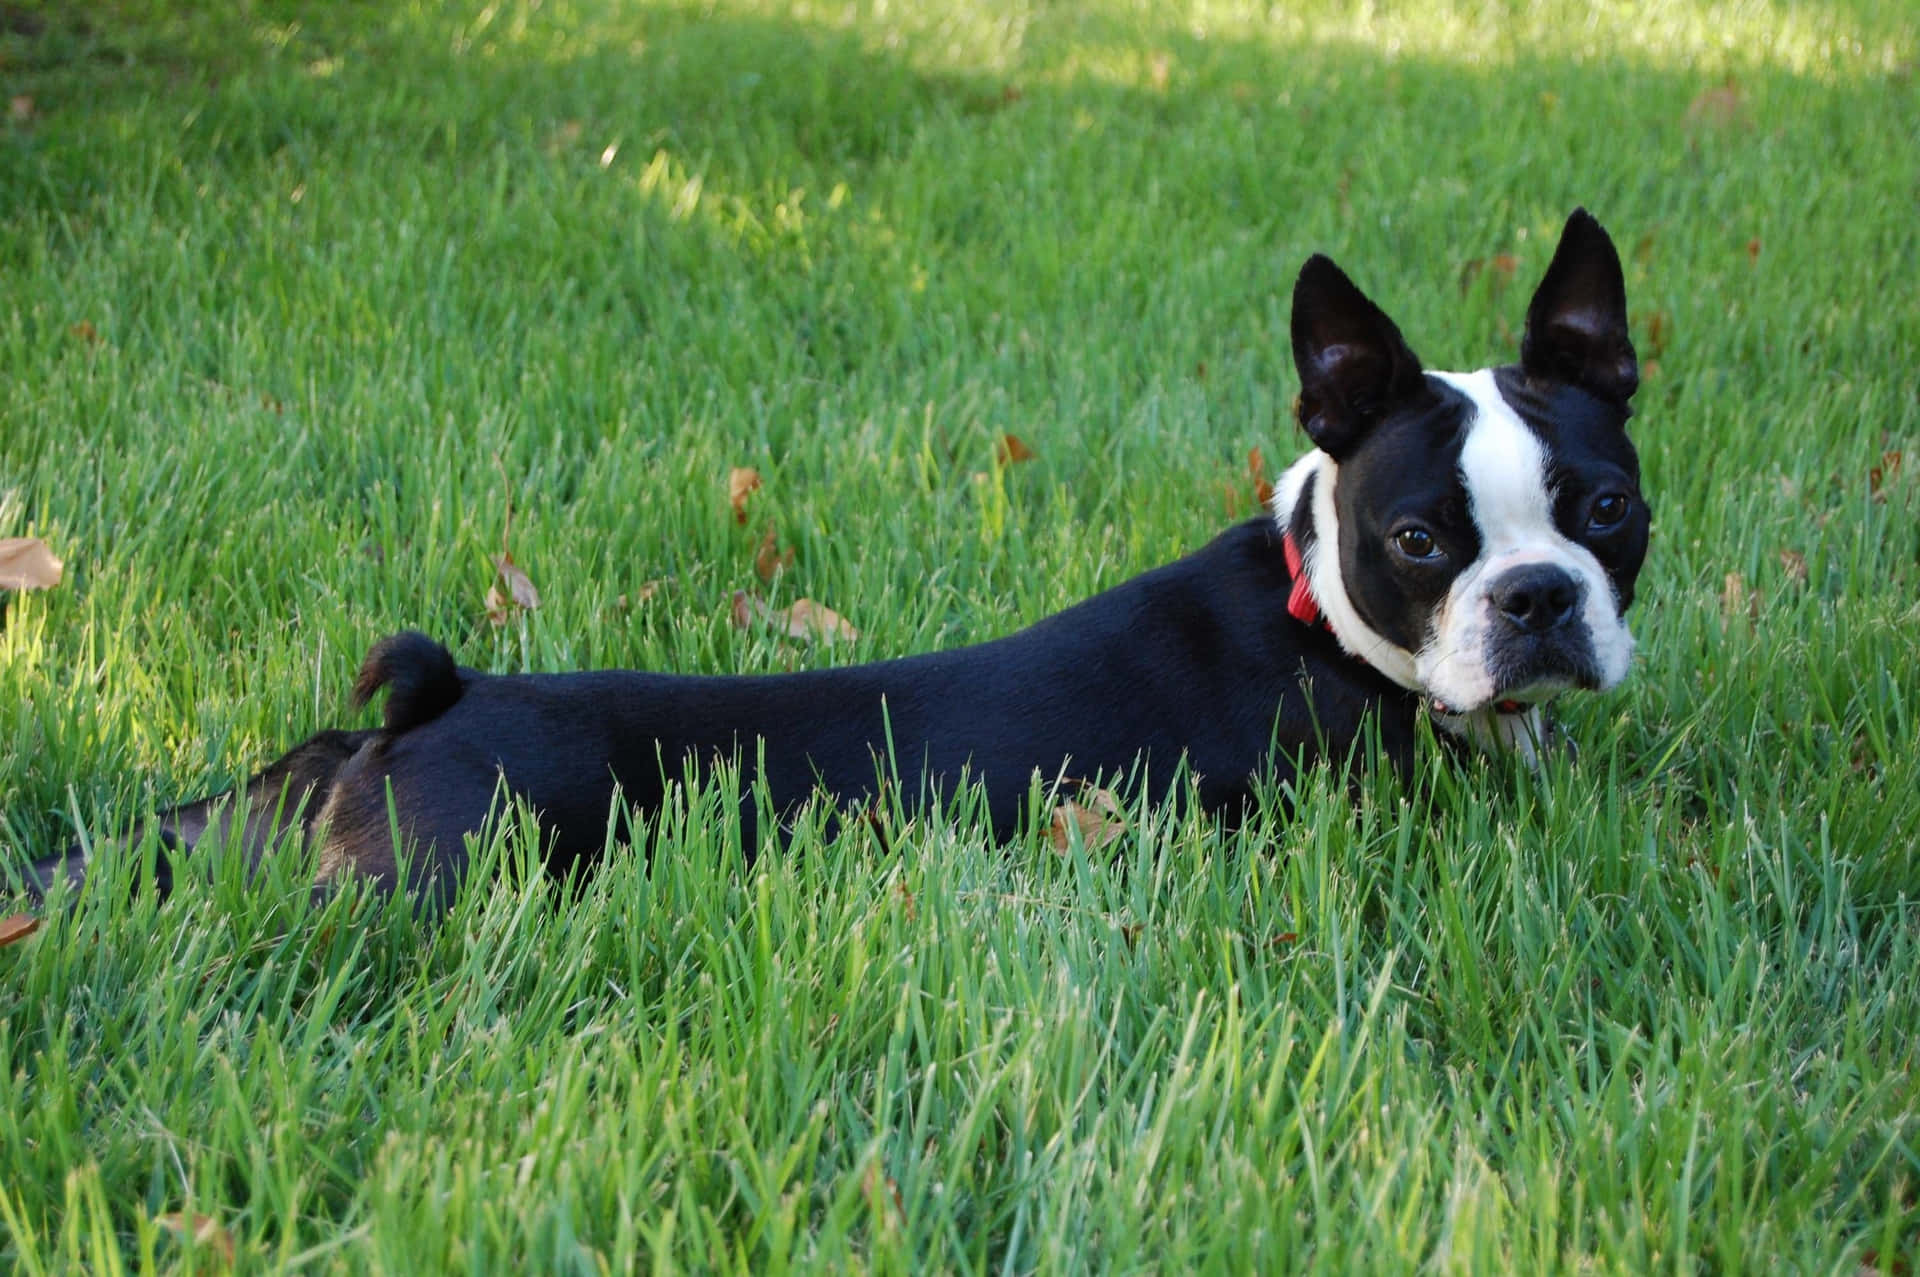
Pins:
x,y
770,560
742,482
1737,597
203,1229
1794,564
1096,814
21,108
1011,449
17,927
1753,249
85,331
520,587
1877,477
1500,269
520,592
1721,106
805,620
1659,328
1257,468
27,564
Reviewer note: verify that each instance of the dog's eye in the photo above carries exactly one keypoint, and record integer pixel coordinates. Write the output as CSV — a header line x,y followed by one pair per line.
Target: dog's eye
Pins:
x,y
1609,510
1416,543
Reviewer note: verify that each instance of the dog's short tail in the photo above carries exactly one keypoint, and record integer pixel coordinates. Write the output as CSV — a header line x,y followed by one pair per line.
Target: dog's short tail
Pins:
x,y
421,679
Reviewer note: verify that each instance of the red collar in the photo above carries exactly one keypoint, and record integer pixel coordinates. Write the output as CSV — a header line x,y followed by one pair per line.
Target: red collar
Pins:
x,y
1301,605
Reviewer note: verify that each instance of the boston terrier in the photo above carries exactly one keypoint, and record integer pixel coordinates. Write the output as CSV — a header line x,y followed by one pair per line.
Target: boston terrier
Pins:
x,y
1455,546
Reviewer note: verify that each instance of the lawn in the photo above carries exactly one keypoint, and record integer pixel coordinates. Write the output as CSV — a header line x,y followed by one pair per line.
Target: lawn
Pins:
x,y
300,299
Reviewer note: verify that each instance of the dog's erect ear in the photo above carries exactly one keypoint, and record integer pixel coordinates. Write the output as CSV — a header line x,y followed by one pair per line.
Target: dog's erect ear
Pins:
x,y
1577,321
1354,366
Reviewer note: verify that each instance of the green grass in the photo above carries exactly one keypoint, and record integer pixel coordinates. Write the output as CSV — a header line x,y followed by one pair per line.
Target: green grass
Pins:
x,y
299,295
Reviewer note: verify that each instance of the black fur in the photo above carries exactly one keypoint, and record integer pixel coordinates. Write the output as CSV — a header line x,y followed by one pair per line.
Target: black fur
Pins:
x,y
1196,661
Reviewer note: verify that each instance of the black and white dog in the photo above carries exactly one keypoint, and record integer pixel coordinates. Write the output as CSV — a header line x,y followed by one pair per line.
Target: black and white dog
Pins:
x,y
1463,545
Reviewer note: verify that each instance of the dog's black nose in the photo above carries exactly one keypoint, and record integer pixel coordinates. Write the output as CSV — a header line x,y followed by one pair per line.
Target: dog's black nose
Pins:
x,y
1536,598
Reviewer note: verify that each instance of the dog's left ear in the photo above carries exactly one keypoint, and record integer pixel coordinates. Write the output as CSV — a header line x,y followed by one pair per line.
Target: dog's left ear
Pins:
x,y
1577,321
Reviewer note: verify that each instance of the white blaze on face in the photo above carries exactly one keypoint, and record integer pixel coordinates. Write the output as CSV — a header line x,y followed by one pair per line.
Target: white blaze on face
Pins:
x,y
1503,466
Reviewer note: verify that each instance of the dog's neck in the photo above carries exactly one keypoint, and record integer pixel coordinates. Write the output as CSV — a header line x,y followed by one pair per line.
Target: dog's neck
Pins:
x,y
1303,504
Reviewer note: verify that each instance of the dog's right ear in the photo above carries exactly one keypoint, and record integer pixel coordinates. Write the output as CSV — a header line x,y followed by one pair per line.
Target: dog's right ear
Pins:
x,y
1354,365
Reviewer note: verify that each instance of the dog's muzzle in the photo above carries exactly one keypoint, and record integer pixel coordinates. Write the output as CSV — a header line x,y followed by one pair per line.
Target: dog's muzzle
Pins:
x,y
1537,645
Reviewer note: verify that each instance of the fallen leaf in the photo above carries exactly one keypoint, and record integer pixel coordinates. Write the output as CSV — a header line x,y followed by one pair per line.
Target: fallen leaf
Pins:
x,y
520,592
1753,249
1721,106
203,1229
1659,328
742,482
85,331
647,590
1736,597
519,585
1096,815
1874,1264
1010,449
27,564
1877,477
770,560
17,927
1500,268
21,108
805,620
1794,564
1257,468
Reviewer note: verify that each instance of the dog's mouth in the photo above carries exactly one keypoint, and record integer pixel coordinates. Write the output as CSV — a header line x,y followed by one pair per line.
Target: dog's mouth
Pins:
x,y
1515,699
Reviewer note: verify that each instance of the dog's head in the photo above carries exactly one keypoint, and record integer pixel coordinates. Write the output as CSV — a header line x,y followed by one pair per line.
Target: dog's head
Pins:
x,y
1474,536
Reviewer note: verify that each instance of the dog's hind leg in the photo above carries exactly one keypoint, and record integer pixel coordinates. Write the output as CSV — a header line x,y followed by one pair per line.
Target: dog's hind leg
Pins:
x,y
286,797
